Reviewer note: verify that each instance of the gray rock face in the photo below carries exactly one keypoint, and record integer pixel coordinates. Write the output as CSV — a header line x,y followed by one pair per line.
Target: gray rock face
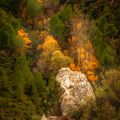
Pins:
x,y
77,90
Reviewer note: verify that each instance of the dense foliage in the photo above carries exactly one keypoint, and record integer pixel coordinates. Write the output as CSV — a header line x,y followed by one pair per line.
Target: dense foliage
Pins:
x,y
38,37
105,31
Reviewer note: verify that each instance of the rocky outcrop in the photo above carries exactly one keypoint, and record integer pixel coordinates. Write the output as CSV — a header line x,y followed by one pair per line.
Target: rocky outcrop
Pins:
x,y
55,118
77,90
43,117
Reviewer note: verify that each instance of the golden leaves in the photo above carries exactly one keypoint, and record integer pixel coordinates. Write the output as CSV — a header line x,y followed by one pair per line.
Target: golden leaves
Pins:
x,y
25,37
78,25
85,58
74,67
50,45
91,76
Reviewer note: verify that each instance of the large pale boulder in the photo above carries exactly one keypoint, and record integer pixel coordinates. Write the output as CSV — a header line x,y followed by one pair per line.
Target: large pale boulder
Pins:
x,y
77,90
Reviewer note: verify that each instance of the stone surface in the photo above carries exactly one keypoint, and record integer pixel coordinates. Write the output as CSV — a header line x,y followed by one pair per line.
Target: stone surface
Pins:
x,y
77,90
44,117
56,118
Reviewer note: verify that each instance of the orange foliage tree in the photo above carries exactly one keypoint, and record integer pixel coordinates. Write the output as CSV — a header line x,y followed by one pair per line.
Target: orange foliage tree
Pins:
x,y
82,52
74,67
25,37
86,62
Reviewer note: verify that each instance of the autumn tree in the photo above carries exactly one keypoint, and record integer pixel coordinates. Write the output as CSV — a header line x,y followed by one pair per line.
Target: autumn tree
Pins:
x,y
82,51
25,37
59,60
51,57
50,45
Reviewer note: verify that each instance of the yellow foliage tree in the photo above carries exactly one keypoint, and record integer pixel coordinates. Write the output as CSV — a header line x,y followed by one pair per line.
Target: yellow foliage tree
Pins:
x,y
50,45
51,55
59,60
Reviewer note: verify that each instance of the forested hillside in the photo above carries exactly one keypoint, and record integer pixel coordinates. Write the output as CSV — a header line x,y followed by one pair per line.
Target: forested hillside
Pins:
x,y
39,37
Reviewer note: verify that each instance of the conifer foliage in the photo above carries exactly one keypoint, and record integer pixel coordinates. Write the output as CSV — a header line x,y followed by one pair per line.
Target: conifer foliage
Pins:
x,y
39,37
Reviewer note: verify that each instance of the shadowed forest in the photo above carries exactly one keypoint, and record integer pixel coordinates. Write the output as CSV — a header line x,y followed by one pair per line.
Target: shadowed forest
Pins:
x,y
39,37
